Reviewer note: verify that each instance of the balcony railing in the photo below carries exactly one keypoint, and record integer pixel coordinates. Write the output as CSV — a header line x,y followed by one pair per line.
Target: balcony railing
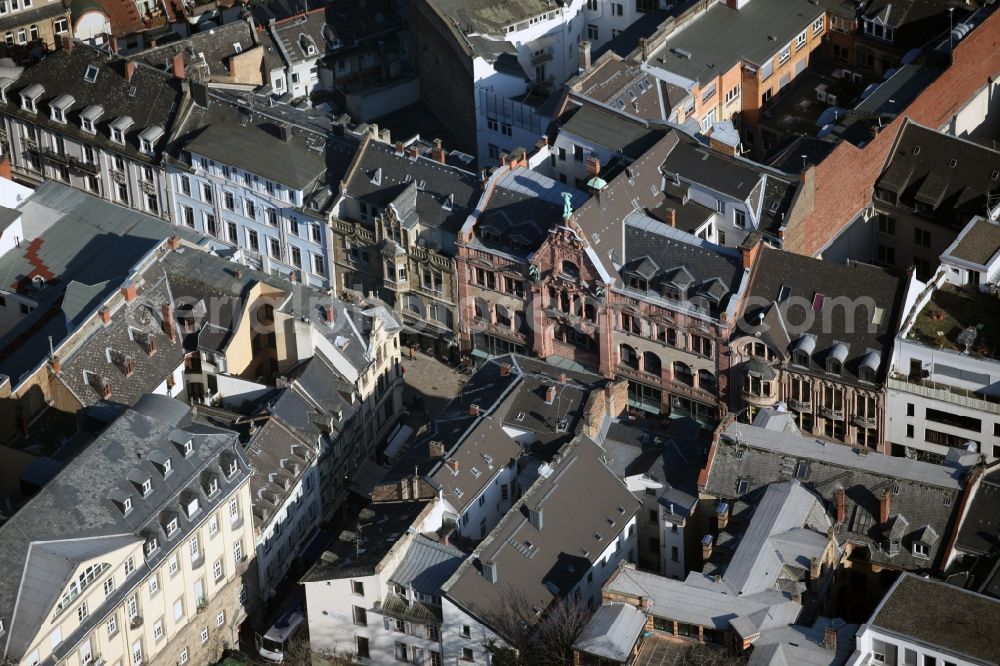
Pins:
x,y
55,156
498,329
830,413
946,393
800,405
864,421
640,375
86,167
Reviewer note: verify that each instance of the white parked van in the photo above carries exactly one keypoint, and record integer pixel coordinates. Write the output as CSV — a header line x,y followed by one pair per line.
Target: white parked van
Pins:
x,y
275,642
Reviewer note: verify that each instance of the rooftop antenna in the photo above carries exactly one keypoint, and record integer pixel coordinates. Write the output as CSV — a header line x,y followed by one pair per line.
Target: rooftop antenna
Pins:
x,y
52,349
357,547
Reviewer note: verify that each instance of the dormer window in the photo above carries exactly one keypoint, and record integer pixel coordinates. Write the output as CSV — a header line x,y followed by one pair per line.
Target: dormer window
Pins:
x,y
148,138
800,358
231,468
89,116
187,447
119,127
58,116
213,486
126,505
171,527
28,104
147,486
193,506
866,374
833,366
150,546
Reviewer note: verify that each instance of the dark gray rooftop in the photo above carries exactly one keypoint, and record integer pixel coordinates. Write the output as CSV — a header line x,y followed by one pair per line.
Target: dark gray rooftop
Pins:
x,y
486,16
925,494
613,131
978,243
876,294
304,37
84,500
207,53
943,616
78,244
584,507
150,97
722,37
427,565
980,532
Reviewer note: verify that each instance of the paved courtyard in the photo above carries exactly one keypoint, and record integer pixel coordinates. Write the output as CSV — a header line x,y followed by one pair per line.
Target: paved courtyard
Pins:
x,y
427,385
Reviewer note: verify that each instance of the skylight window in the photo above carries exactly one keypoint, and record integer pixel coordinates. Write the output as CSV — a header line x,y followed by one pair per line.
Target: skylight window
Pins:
x,y
952,163
90,76
818,300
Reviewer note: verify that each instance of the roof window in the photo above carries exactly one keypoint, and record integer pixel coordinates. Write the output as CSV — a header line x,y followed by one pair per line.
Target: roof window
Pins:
x,y
90,75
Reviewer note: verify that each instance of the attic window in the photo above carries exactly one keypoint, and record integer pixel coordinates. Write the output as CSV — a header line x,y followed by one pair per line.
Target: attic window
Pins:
x,y
475,472
231,468
126,505
995,175
916,150
621,510
168,466
237,47
802,470
818,301
952,163
28,104
742,485
597,537
147,486
187,447
878,315
171,527
117,135
150,546
784,293
90,75
895,489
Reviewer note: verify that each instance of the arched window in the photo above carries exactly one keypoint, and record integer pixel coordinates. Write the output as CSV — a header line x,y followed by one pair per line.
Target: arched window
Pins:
x,y
706,381
482,310
651,363
628,357
570,269
682,373
503,316
589,312
800,358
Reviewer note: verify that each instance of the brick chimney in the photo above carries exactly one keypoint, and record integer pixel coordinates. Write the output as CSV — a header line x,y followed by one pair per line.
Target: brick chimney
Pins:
x,y
750,249
56,364
840,499
437,153
105,315
129,70
504,369
399,147
452,464
436,449
722,515
583,55
169,325
330,314
550,395
672,217
473,410
884,506
129,367
174,242
830,638
5,168
177,65
129,291
151,346
593,167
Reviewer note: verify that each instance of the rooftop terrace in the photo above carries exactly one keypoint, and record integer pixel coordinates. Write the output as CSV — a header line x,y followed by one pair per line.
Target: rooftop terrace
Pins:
x,y
960,320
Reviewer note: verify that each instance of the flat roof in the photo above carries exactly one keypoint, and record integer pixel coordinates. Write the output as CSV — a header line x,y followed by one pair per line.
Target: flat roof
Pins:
x,y
942,615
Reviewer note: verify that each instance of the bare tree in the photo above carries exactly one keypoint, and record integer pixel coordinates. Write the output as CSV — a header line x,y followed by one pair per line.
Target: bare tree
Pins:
x,y
700,654
531,638
300,653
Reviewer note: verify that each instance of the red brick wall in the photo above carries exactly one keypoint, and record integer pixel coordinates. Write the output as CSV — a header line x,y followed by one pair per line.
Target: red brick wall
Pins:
x,y
844,180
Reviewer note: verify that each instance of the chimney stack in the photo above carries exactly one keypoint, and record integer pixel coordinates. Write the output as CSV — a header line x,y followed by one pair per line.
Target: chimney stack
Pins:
x,y
331,314
706,547
452,465
169,325
721,514
884,506
645,603
129,292
436,449
815,568
593,167
830,638
473,410
177,65
67,43
437,153
399,147
174,242
550,395
563,378
105,315
645,48
672,217
129,70
840,498
56,364
583,55
504,369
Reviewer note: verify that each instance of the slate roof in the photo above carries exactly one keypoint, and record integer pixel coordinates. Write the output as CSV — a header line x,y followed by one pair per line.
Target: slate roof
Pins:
x,y
80,503
280,458
803,646
426,565
380,174
617,133
919,170
82,246
978,243
611,632
621,84
135,333
674,250
296,35
207,52
579,498
723,37
980,531
927,494
702,602
522,206
937,614
488,17
387,523
875,297
150,97
482,453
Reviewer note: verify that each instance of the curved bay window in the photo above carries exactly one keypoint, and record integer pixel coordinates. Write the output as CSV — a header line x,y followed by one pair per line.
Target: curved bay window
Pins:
x,y
628,357
651,363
